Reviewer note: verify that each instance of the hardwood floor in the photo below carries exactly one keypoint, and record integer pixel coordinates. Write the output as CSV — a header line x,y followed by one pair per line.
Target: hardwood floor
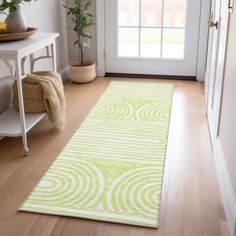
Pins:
x,y
191,201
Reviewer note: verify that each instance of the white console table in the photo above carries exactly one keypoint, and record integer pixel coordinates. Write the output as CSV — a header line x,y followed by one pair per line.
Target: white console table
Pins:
x,y
13,123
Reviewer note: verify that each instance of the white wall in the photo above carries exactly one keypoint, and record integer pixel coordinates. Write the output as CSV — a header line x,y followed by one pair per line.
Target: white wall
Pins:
x,y
48,16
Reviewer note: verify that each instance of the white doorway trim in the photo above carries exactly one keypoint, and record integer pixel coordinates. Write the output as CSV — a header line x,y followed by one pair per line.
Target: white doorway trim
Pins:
x,y
202,47
100,23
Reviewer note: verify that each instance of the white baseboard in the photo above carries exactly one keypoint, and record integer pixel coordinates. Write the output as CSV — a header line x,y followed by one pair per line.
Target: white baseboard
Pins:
x,y
64,73
227,192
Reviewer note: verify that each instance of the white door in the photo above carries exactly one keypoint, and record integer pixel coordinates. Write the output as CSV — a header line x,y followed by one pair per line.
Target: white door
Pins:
x,y
212,47
157,37
216,62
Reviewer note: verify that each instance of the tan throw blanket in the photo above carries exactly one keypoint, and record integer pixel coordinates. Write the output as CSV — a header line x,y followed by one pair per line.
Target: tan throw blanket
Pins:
x,y
43,91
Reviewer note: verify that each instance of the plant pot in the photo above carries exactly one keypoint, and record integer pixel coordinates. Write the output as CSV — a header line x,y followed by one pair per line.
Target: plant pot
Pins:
x,y
16,22
82,74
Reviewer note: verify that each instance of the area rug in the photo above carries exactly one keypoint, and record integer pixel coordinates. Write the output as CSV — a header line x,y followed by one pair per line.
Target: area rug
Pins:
x,y
112,168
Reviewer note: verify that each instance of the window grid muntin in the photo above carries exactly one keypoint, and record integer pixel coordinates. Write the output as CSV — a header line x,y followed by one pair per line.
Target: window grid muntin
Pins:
x,y
140,27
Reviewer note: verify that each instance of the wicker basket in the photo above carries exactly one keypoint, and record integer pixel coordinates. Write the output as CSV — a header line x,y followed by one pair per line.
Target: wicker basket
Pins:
x,y
33,98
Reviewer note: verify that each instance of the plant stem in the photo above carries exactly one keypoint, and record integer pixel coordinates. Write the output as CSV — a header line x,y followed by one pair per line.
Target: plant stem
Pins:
x,y
82,20
82,55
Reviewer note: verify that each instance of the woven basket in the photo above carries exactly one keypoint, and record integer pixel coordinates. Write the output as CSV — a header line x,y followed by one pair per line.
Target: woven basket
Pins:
x,y
33,98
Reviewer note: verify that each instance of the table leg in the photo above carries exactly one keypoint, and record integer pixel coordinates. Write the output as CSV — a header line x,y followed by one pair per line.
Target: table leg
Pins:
x,y
54,60
31,63
21,105
23,66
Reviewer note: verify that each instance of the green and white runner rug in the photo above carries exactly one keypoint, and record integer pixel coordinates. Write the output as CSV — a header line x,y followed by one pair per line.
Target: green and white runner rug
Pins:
x,y
112,168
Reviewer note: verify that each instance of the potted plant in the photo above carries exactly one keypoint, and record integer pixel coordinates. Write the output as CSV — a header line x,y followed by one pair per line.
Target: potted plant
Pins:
x,y
15,20
81,71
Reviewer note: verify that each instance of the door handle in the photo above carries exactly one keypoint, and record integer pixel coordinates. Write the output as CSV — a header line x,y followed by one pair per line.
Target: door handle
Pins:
x,y
212,24
231,6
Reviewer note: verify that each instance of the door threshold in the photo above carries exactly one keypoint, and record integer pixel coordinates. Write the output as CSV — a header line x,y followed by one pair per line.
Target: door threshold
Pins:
x,y
145,76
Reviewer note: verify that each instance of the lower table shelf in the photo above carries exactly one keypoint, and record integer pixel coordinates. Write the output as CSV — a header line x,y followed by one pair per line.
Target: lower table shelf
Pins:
x,y
10,122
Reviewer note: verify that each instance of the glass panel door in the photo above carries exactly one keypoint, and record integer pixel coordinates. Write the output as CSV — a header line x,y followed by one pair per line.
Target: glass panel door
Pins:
x,y
152,36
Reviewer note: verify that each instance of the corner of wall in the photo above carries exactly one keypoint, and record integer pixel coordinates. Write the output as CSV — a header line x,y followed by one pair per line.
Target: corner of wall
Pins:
x,y
234,228
64,73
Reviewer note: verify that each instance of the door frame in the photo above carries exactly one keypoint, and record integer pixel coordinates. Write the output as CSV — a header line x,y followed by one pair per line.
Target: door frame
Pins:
x,y
202,43
214,124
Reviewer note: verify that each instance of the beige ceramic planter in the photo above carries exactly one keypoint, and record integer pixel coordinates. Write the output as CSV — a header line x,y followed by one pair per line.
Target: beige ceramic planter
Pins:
x,y
82,74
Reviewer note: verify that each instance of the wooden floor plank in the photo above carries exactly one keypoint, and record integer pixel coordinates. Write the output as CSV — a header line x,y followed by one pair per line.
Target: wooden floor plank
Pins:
x,y
42,225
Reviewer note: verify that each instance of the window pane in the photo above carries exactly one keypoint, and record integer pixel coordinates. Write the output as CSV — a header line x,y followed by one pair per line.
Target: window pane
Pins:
x,y
128,12
150,42
151,12
175,13
173,43
128,44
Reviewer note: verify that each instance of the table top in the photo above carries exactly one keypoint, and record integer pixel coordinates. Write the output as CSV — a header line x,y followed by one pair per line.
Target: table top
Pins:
x,y
28,45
